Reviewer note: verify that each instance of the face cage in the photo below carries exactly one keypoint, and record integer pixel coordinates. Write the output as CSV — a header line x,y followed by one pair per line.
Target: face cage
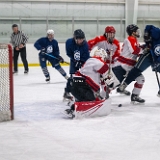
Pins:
x,y
110,36
50,37
77,41
147,37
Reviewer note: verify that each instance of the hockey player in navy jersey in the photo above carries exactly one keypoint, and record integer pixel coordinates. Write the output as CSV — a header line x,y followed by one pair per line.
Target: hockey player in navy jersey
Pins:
x,y
78,52
49,51
150,56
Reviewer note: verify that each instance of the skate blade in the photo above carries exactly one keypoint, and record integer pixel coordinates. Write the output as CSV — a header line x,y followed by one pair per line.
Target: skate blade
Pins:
x,y
137,103
122,93
158,95
67,99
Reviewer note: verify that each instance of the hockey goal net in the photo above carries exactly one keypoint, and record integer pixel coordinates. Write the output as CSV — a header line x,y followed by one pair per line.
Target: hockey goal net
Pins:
x,y
6,83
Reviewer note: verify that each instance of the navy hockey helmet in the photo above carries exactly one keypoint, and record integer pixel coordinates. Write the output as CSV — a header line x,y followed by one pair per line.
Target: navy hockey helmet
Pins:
x,y
79,34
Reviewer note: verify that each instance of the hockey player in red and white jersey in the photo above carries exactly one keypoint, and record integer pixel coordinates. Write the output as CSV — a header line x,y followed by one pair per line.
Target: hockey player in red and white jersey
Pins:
x,y
86,87
111,45
131,50
108,42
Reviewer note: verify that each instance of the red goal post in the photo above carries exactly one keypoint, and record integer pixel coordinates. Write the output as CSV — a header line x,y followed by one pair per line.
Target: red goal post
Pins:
x,y
6,83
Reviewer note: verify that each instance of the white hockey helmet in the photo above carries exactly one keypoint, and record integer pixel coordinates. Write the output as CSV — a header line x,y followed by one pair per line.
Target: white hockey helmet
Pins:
x,y
99,52
50,31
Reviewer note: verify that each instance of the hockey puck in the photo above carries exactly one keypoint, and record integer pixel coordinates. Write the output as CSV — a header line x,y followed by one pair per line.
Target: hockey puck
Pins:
x,y
120,105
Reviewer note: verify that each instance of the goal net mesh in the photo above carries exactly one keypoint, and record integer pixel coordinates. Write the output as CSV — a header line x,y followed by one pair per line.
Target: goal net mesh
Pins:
x,y
6,83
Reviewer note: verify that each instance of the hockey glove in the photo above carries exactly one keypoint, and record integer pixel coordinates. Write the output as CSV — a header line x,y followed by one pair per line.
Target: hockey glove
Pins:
x,y
61,60
43,51
143,46
156,67
78,64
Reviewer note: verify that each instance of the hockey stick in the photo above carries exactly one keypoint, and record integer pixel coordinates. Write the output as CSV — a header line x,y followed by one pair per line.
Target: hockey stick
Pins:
x,y
156,71
110,60
55,58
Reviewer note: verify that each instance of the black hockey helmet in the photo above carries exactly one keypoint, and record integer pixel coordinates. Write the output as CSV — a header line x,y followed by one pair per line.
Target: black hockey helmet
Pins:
x,y
147,37
14,25
79,34
131,28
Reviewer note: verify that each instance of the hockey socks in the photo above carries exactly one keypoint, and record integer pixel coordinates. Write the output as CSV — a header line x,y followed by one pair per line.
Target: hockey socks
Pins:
x,y
61,70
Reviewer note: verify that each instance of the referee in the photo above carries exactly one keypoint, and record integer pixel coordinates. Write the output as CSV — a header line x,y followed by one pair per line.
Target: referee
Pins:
x,y
18,40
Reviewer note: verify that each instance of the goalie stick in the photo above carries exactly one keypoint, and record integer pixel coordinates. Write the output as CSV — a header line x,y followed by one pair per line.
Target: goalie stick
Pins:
x,y
110,60
55,58
109,71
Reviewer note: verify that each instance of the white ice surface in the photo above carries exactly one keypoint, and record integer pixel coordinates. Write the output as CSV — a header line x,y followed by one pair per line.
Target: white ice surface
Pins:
x,y
40,132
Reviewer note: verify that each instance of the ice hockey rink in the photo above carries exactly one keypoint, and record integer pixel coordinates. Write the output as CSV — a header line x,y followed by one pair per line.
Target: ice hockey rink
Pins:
x,y
40,131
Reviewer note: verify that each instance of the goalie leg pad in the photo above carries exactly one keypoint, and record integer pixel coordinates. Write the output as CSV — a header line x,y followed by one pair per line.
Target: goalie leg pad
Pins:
x,y
92,109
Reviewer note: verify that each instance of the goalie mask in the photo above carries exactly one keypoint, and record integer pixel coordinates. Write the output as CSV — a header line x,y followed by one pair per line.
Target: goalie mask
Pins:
x,y
99,52
110,33
50,34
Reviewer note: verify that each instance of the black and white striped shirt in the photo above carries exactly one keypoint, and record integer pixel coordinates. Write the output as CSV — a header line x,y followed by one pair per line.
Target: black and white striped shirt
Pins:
x,y
19,38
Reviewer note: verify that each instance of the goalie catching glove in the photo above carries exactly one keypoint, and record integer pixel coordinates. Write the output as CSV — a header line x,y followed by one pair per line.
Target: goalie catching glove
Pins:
x,y
110,80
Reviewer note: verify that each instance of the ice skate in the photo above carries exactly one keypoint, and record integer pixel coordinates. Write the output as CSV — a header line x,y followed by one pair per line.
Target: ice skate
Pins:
x,y
135,98
26,72
15,72
67,96
48,79
127,93
69,113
